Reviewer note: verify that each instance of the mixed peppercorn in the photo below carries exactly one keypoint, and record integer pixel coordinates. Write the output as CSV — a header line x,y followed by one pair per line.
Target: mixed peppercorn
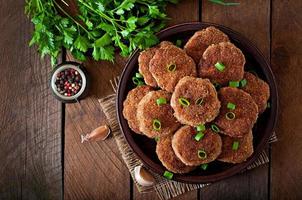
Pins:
x,y
68,82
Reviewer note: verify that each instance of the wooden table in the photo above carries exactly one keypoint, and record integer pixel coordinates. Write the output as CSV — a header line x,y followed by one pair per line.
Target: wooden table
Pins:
x,y
40,151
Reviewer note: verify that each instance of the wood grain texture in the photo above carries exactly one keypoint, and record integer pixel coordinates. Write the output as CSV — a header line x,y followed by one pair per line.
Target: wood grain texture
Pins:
x,y
186,11
30,141
93,170
251,19
286,60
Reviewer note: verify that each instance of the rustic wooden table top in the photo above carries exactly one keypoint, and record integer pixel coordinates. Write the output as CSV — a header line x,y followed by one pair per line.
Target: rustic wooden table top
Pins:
x,y
40,151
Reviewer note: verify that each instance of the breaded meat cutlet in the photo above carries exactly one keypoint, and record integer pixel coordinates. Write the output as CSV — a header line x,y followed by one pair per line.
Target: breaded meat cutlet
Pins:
x,y
258,89
169,65
236,150
168,158
193,152
202,101
130,105
144,60
222,63
200,41
156,119
238,112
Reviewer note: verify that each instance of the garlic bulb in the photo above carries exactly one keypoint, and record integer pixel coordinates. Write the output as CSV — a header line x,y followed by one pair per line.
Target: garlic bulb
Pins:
x,y
100,133
143,177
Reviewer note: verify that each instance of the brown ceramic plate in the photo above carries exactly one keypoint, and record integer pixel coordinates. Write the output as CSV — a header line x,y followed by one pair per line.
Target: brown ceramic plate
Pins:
x,y
145,147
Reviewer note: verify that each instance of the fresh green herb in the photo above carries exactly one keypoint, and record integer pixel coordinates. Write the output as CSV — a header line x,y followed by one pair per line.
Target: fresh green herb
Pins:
x,y
204,166
161,101
215,128
201,127
137,81
219,66
178,43
99,26
156,124
199,101
199,136
168,175
156,139
231,106
183,101
234,84
171,67
230,115
235,145
243,83
220,2
202,154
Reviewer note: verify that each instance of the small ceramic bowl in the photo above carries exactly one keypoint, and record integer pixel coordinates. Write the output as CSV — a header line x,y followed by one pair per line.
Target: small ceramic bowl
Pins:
x,y
81,93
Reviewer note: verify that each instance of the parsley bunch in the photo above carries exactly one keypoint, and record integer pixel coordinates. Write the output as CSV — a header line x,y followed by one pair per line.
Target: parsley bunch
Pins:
x,y
100,26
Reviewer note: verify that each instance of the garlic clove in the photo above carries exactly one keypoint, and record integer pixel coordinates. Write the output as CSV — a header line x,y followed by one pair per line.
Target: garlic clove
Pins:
x,y
100,133
143,177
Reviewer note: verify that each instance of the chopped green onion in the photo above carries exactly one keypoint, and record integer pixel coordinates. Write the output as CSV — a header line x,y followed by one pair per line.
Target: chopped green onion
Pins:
x,y
231,106
168,175
156,139
204,166
217,86
161,101
178,43
215,128
268,105
202,154
156,124
184,101
199,136
235,145
225,3
243,83
138,75
219,66
199,101
171,67
201,127
137,81
230,115
234,84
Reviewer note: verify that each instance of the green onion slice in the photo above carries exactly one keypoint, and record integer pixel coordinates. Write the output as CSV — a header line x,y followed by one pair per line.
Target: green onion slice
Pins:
x,y
219,66
156,139
137,81
202,154
234,84
161,101
204,166
171,67
168,175
156,124
178,43
200,127
215,128
230,116
199,136
231,106
235,145
243,83
138,75
199,101
184,101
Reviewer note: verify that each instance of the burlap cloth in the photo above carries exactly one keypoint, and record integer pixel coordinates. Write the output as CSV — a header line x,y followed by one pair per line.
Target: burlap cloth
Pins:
x,y
164,188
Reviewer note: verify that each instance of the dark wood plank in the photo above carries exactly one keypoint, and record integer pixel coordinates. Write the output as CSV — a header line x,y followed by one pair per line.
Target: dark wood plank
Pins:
x,y
185,11
93,170
30,141
251,19
286,63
